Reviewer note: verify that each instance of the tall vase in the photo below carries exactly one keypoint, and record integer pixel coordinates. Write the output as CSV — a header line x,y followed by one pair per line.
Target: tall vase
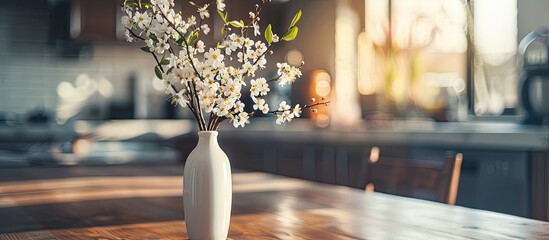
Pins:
x,y
207,190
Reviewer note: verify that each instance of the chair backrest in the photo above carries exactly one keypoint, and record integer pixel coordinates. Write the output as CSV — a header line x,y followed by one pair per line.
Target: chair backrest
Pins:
x,y
431,180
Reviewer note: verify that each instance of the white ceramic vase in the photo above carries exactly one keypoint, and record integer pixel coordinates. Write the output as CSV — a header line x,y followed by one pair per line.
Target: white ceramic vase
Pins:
x,y
207,190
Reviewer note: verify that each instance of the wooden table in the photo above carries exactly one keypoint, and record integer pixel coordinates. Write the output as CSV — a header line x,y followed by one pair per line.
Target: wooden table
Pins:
x,y
144,202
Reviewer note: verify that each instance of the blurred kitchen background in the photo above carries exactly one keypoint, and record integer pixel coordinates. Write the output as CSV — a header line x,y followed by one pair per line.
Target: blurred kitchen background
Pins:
x,y
416,77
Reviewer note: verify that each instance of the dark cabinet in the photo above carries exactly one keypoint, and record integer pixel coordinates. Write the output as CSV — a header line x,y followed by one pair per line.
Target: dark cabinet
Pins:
x,y
502,181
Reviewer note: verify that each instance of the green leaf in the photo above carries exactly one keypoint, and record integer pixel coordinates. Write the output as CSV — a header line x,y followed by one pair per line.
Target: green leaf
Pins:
x,y
130,3
170,70
158,72
193,37
222,15
236,24
153,37
165,61
291,34
269,34
146,49
146,5
296,18
179,41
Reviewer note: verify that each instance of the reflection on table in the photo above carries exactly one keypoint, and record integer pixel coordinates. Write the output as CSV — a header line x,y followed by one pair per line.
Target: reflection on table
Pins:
x,y
136,202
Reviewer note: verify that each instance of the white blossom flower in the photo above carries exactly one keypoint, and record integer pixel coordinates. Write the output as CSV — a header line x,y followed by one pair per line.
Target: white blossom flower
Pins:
x,y
251,54
288,116
205,28
223,107
129,38
150,44
142,19
220,5
200,46
248,43
256,28
192,20
161,5
233,43
126,21
167,82
275,38
241,119
239,107
260,47
232,88
177,97
215,56
160,30
259,87
183,27
203,11
261,62
161,46
264,109
159,18
297,111
287,74
241,57
259,104
177,19
249,69
238,40
279,119
284,106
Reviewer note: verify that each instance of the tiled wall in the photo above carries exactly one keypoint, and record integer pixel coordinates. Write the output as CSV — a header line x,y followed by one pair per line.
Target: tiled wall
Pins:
x,y
32,64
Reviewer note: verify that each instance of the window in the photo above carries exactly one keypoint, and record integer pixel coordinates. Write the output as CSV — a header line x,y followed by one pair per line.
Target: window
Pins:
x,y
416,55
495,70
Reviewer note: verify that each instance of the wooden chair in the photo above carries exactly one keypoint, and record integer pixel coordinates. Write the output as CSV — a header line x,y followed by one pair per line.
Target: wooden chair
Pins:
x,y
429,180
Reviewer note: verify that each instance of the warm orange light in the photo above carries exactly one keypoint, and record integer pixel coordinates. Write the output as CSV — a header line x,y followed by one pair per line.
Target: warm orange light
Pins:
x,y
321,90
322,120
294,57
370,187
322,81
82,146
374,154
454,184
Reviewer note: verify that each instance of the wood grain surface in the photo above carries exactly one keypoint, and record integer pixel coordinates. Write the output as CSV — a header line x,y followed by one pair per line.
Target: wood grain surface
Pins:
x,y
145,202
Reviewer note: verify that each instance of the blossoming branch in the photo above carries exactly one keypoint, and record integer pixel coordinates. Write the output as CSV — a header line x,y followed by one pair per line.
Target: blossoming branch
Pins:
x,y
206,79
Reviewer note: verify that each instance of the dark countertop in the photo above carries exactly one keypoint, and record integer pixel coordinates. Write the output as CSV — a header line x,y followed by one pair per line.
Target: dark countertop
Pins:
x,y
482,135
485,135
